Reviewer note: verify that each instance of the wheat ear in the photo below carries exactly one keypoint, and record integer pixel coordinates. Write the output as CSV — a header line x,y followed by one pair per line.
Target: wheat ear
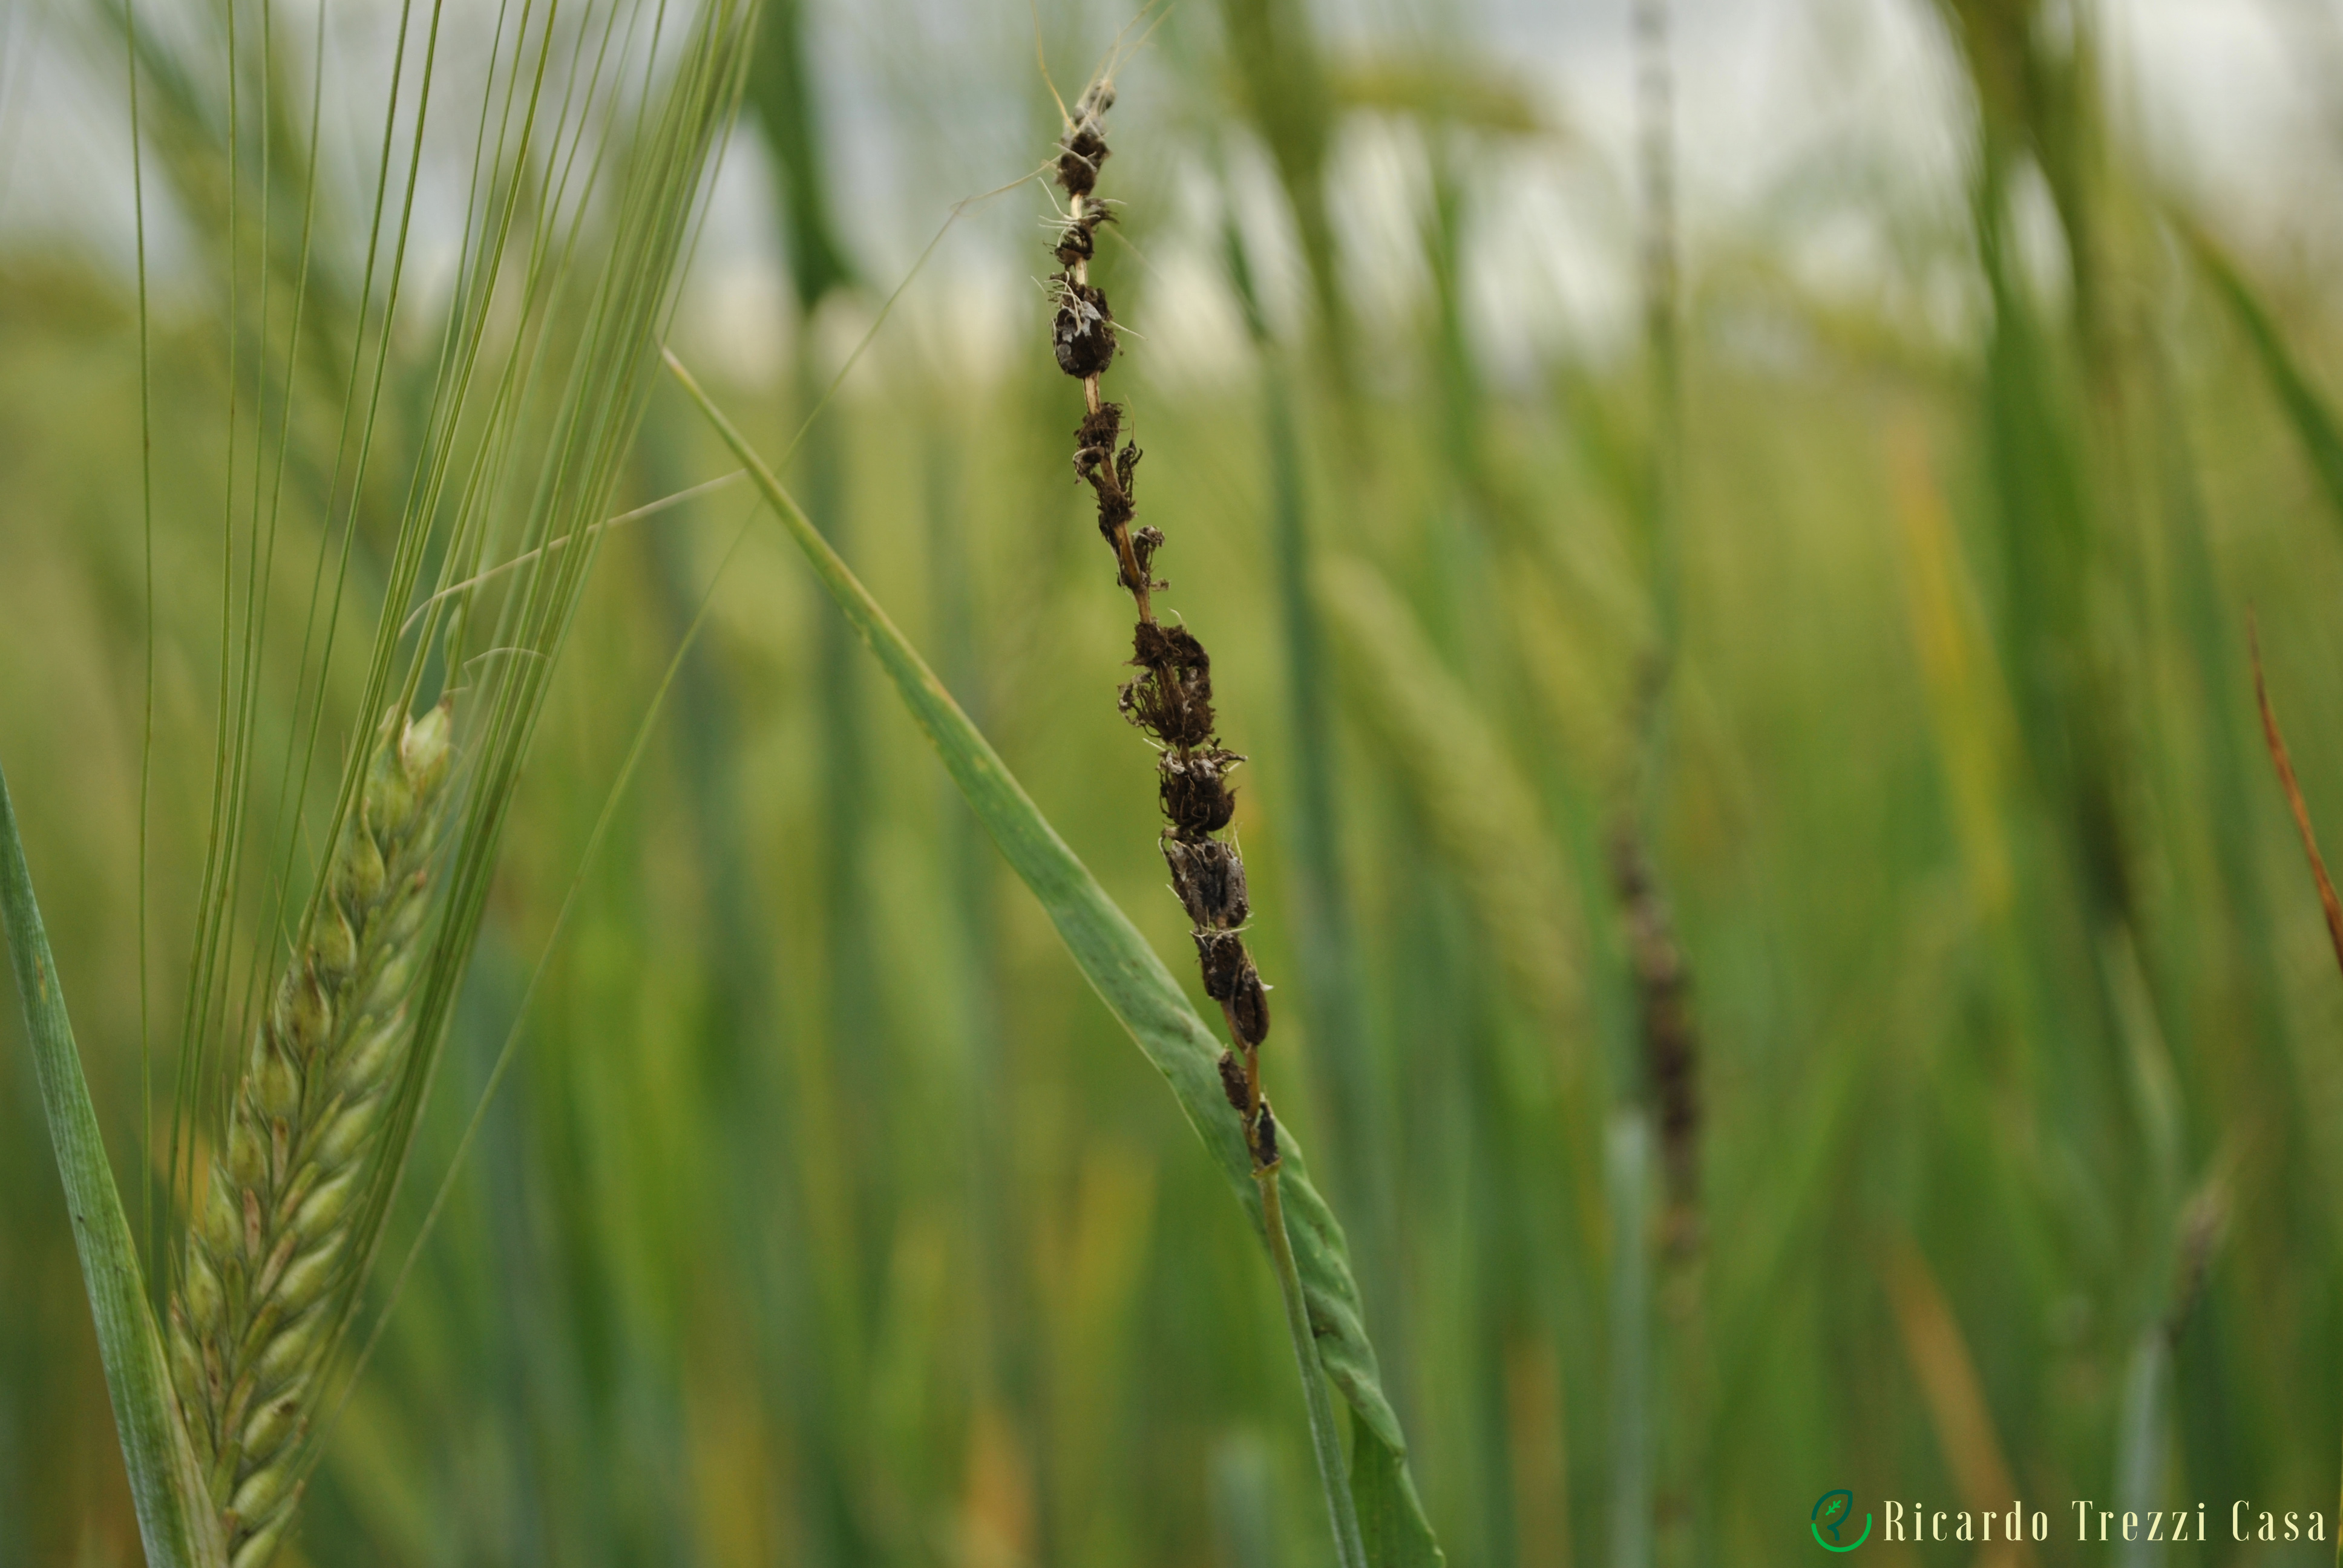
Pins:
x,y
1171,699
270,1262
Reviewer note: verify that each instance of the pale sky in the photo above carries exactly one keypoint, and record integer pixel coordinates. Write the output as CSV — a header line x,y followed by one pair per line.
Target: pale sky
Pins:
x,y
1825,129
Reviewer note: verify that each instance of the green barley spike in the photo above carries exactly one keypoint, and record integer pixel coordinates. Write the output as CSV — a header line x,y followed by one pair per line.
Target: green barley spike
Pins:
x,y
270,1260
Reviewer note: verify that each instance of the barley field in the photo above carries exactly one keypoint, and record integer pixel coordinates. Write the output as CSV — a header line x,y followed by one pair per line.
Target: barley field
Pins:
x,y
605,835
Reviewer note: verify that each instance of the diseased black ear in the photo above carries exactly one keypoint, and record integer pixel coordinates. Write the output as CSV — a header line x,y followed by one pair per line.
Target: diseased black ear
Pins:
x,y
1170,698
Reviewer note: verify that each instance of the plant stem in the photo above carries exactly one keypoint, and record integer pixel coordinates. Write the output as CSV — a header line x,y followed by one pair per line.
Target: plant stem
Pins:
x,y
1326,941
2140,1444
1325,1441
1630,1474
175,1519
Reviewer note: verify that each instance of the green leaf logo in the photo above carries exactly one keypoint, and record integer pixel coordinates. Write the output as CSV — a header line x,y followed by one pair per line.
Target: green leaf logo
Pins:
x,y
1831,1512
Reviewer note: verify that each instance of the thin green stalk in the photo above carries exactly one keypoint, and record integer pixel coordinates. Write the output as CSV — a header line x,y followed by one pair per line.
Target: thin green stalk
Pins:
x,y
838,1084
2306,410
1667,1099
1325,1441
1631,1307
167,1489
1243,1514
1004,1372
1326,942
835,1190
2139,1448
146,723
1278,72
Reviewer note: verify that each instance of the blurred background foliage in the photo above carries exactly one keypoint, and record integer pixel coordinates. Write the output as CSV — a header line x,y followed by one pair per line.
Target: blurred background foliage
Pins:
x,y
826,1217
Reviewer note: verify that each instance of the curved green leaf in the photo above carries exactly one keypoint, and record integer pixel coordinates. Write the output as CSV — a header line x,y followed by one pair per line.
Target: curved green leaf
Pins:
x,y
175,1519
1391,1517
2314,422
1124,971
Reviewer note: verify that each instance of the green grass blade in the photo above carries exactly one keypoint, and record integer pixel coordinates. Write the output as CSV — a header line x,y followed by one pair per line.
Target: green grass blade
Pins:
x,y
1627,1167
1116,959
175,1519
1483,814
2314,422
1326,1440
1392,1524
2141,1439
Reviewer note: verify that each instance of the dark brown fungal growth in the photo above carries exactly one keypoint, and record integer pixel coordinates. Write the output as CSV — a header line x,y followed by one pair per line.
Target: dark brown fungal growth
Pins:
x,y
1083,147
1222,956
1264,1137
1144,543
1193,791
1098,431
1077,238
1233,1082
1210,881
1083,329
1077,164
1171,699
1671,1040
1249,1008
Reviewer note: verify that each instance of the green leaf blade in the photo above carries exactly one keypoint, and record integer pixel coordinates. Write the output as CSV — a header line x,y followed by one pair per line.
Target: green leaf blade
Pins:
x,y
1390,1515
2313,420
1125,972
175,1521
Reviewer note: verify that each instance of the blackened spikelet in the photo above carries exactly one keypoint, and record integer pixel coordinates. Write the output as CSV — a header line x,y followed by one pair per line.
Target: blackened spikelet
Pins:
x,y
1082,331
1077,240
1222,956
1192,788
1117,502
1211,881
1144,543
1172,700
1114,507
1083,146
1098,432
1233,1082
1173,650
1249,1006
1078,158
1264,1137
1663,993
